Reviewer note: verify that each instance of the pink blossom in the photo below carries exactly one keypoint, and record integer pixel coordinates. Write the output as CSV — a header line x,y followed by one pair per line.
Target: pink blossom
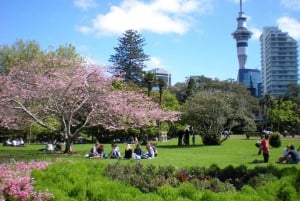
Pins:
x,y
76,96
16,183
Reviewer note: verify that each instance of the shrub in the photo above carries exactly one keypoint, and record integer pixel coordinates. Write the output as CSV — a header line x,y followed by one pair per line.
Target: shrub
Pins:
x,y
261,179
212,138
275,140
167,192
286,192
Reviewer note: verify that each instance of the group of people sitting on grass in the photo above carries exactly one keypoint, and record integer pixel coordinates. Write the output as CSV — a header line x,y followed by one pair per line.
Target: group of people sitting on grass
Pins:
x,y
289,155
97,151
15,142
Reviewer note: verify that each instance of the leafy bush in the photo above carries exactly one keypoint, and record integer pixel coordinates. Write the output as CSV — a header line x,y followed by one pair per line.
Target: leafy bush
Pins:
x,y
286,192
275,140
212,138
261,179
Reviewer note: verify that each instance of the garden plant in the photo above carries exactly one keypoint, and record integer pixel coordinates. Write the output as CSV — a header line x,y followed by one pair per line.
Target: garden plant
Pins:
x,y
229,172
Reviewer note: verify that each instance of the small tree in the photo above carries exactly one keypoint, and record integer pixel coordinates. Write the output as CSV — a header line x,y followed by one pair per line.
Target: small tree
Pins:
x,y
208,112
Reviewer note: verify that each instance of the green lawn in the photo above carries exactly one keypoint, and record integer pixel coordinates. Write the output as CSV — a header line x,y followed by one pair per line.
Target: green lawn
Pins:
x,y
234,151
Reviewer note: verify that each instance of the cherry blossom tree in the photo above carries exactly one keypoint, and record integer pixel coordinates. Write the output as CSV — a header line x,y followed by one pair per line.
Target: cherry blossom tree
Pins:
x,y
76,95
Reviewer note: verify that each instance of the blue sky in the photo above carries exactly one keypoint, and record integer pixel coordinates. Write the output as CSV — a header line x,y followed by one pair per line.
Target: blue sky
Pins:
x,y
185,37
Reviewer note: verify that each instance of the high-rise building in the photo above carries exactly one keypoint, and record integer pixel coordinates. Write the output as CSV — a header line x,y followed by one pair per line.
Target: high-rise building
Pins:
x,y
249,77
279,61
241,35
162,73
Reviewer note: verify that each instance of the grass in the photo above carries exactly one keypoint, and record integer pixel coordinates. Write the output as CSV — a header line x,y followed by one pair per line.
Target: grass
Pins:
x,y
237,150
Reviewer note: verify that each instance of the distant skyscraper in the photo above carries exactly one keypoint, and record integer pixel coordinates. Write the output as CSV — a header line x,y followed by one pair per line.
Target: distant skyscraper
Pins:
x,y
241,35
161,73
249,77
279,61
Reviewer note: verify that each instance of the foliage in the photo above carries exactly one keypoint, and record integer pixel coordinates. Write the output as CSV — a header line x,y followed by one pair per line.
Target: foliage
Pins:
x,y
150,80
261,179
214,106
169,100
228,179
130,57
29,51
76,96
195,160
274,139
207,112
16,183
286,192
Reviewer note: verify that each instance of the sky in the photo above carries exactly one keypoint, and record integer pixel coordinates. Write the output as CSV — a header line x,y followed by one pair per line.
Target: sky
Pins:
x,y
184,37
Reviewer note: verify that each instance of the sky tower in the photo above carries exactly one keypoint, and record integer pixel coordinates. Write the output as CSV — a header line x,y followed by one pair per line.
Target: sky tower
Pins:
x,y
241,35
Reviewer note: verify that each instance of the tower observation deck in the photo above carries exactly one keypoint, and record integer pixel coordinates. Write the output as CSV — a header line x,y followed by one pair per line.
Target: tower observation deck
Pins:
x,y
241,35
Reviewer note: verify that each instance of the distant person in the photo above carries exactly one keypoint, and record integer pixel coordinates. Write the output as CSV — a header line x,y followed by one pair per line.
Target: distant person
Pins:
x,y
93,152
150,152
115,151
128,152
100,151
180,137
285,152
137,152
154,149
292,156
49,146
265,148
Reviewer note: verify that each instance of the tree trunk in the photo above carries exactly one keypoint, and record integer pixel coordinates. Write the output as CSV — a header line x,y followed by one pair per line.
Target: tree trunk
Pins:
x,y
68,145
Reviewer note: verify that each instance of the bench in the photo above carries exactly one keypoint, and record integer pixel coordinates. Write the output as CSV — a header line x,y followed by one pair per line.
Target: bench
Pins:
x,y
253,134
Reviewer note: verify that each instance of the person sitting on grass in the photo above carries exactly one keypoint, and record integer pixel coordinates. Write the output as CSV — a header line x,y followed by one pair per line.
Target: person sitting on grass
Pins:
x,y
93,152
115,151
292,156
154,149
128,152
150,152
137,152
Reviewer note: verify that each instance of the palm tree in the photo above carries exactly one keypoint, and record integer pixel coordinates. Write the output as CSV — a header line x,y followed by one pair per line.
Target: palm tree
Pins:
x,y
161,85
150,80
279,103
266,103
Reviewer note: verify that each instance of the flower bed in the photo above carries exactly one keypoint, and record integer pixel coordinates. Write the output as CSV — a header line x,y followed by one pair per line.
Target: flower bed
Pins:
x,y
16,183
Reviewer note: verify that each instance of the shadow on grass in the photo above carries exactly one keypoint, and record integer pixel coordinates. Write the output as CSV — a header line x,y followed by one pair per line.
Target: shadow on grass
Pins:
x,y
176,146
28,155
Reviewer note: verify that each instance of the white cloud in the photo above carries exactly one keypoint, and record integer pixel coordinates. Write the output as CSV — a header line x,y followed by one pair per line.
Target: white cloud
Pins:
x,y
84,29
155,62
85,4
290,25
159,16
291,4
256,33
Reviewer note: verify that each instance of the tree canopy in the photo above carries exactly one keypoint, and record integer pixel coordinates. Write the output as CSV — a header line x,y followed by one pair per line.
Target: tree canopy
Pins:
x,y
76,95
130,57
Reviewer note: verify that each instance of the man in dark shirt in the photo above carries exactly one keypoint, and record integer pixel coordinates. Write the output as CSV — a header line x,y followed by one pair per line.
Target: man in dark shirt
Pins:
x,y
293,155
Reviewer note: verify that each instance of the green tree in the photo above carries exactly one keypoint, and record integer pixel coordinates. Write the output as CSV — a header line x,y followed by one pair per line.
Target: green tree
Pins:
x,y
179,89
266,104
130,57
191,87
217,106
161,86
30,51
169,100
149,80
207,111
286,114
20,51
